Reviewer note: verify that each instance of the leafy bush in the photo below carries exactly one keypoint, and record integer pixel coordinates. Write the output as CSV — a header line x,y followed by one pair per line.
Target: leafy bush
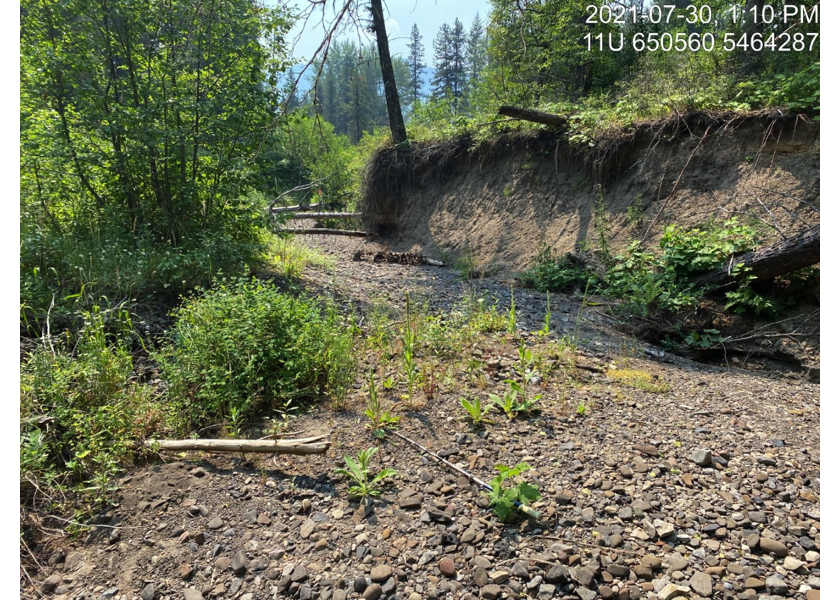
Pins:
x,y
243,344
550,273
645,281
80,405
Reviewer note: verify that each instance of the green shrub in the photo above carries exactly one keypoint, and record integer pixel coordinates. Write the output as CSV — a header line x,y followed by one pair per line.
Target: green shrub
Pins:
x,y
80,405
505,499
243,344
552,274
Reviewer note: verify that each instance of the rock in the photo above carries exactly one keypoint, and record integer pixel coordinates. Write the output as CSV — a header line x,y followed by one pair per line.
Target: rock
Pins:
x,y
492,591
193,594
546,591
359,585
73,560
57,557
411,503
215,523
447,567
618,570
198,472
773,547
339,595
673,590
50,583
812,595
701,583
586,593
299,573
480,577
702,457
372,592
584,576
381,573
557,574
307,528
776,585
754,583
792,564
677,562
186,571
148,592
239,563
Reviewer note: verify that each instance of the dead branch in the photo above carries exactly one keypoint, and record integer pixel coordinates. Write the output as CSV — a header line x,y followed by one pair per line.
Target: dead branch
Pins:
x,y
310,445
324,231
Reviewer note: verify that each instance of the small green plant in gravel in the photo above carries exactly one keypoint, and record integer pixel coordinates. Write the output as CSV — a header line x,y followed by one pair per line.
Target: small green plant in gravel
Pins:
x,y
511,324
358,471
506,499
379,418
477,414
580,411
511,404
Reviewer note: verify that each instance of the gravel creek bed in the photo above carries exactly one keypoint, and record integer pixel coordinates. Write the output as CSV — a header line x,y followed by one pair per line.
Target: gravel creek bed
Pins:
x,y
707,490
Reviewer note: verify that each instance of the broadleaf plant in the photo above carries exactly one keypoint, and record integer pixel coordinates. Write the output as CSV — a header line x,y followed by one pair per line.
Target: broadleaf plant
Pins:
x,y
507,500
358,472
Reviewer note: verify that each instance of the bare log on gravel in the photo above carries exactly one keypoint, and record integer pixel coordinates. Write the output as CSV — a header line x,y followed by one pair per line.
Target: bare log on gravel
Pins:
x,y
319,231
326,215
535,116
311,445
770,261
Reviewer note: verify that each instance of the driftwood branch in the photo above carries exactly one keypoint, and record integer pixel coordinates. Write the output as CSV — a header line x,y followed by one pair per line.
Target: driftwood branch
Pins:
x,y
535,116
294,208
782,257
324,231
299,188
326,215
311,445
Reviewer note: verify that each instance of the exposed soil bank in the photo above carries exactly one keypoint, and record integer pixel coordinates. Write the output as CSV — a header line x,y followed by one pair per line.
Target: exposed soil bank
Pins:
x,y
499,200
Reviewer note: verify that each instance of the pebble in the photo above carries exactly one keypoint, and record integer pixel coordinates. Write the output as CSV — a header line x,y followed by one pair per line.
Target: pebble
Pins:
x,y
447,567
372,592
702,457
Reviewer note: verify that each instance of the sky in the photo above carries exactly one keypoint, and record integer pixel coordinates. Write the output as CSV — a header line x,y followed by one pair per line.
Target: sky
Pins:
x,y
400,15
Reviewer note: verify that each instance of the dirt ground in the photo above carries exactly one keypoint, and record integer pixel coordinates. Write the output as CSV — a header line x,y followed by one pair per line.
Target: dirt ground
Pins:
x,y
688,480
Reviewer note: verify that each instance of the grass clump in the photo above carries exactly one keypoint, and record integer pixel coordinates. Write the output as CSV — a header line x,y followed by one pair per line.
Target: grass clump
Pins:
x,y
290,257
640,380
242,344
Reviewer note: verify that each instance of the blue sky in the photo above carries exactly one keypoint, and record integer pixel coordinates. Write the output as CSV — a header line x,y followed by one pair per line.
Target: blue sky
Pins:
x,y
400,15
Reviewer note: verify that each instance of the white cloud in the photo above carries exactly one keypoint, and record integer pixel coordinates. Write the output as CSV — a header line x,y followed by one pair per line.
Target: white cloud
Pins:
x,y
392,27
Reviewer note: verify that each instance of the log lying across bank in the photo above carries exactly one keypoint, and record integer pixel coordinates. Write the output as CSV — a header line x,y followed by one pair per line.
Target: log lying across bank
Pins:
x,y
326,215
798,252
535,116
319,231
311,445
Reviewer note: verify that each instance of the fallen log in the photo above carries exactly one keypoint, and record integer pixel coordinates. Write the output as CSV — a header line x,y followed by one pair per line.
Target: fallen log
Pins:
x,y
311,445
779,258
293,208
535,116
319,231
326,215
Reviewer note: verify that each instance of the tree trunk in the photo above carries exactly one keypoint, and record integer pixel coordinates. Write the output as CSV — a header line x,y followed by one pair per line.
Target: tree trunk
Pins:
x,y
536,116
311,445
392,98
770,261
